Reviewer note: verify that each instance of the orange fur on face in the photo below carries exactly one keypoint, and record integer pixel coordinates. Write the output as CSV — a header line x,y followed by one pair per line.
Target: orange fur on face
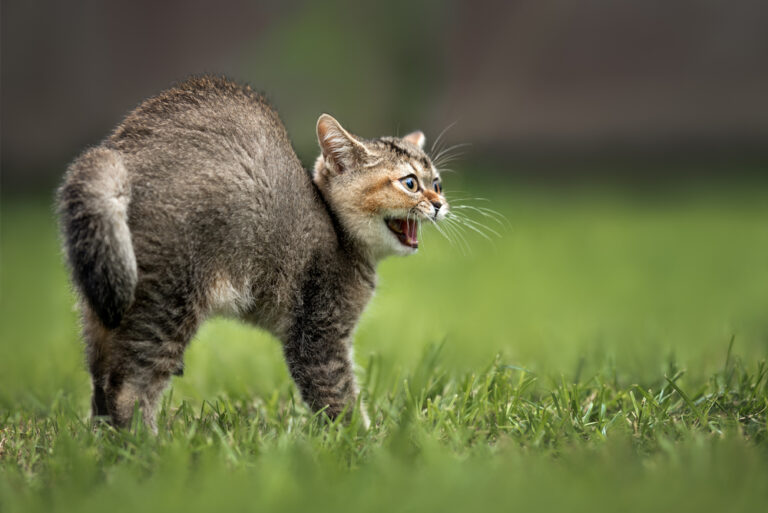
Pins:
x,y
384,195
374,194
377,188
432,195
369,192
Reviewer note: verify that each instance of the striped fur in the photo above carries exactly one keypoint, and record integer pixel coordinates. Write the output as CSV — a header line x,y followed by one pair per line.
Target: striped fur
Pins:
x,y
196,205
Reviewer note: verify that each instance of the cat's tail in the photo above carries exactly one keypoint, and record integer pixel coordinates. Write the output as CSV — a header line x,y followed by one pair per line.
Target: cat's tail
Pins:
x,y
93,212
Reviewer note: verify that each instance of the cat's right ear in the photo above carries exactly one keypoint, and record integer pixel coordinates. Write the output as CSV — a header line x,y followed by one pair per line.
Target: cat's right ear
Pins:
x,y
340,149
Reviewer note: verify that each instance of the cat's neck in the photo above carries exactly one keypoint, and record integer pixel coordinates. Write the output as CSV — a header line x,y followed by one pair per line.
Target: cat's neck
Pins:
x,y
354,252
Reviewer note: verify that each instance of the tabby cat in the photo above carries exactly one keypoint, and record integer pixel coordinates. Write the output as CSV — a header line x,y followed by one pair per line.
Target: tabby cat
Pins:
x,y
196,205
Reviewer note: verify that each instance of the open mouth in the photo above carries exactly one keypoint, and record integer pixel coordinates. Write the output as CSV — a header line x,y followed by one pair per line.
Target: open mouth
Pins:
x,y
406,231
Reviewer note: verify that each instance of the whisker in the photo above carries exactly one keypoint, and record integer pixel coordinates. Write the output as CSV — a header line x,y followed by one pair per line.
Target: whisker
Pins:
x,y
486,212
479,225
440,137
447,229
449,152
448,157
449,149
476,226
457,229
419,228
439,164
441,231
479,232
468,199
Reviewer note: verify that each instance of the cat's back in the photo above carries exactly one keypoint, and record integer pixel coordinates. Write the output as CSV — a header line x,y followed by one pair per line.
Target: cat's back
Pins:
x,y
212,148
214,176
203,120
203,103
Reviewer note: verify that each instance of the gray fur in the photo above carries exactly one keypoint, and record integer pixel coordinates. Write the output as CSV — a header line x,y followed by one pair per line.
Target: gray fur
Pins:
x,y
94,214
196,205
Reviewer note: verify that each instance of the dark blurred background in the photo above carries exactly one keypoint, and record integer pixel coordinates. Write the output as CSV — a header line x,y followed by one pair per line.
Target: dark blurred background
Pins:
x,y
547,88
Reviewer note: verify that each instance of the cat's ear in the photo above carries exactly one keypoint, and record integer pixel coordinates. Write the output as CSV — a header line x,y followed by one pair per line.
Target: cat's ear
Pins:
x,y
416,138
341,150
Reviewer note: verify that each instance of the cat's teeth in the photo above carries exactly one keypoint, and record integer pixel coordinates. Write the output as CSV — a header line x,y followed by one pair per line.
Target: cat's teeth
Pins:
x,y
411,230
405,230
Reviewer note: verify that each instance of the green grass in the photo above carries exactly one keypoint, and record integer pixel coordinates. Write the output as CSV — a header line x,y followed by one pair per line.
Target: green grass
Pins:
x,y
607,352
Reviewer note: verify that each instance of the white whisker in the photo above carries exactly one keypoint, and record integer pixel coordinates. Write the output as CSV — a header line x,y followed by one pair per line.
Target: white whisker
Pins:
x,y
454,200
485,212
476,227
441,231
435,145
450,150
457,229
482,234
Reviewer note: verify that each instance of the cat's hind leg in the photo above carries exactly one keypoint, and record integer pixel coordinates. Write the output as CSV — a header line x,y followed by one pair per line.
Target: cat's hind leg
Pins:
x,y
97,347
146,350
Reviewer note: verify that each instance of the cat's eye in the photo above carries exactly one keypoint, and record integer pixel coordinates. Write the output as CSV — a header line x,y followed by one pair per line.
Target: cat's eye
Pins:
x,y
410,183
437,186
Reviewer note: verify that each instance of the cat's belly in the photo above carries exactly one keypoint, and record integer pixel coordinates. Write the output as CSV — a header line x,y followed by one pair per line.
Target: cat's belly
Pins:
x,y
261,306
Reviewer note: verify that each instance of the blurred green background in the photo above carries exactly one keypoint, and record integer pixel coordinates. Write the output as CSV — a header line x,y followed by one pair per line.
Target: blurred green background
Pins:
x,y
602,287
577,281
624,144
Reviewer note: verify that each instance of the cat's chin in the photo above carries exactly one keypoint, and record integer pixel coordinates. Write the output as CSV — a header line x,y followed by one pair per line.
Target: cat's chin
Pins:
x,y
386,241
401,250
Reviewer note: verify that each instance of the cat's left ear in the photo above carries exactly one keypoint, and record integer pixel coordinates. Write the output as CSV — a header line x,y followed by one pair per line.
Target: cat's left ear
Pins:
x,y
416,138
341,150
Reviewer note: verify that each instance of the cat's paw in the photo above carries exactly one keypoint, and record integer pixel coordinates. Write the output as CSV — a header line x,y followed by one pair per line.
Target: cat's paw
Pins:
x,y
366,422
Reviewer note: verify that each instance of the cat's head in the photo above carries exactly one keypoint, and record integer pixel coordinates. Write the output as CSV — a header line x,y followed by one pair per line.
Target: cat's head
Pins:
x,y
381,190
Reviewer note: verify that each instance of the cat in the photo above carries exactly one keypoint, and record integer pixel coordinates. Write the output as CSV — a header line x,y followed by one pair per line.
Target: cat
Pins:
x,y
196,205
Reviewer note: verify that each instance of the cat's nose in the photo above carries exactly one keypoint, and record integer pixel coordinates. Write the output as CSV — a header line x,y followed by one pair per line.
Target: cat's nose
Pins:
x,y
437,206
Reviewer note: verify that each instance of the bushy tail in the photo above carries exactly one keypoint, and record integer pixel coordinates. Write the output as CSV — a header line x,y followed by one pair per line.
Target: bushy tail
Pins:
x,y
93,211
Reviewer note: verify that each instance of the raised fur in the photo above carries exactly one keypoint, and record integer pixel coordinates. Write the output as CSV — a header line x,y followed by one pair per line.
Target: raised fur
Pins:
x,y
197,205
94,217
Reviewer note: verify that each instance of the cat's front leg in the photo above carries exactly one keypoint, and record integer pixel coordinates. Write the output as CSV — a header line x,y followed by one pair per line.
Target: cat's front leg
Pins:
x,y
322,369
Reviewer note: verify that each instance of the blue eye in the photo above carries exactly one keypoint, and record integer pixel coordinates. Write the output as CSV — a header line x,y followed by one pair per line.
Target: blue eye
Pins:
x,y
438,186
410,183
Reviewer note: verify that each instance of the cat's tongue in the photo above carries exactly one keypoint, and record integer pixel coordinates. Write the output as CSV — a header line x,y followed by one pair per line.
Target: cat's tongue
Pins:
x,y
406,231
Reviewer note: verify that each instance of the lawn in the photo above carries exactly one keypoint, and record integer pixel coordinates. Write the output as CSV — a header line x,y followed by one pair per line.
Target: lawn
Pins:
x,y
605,351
